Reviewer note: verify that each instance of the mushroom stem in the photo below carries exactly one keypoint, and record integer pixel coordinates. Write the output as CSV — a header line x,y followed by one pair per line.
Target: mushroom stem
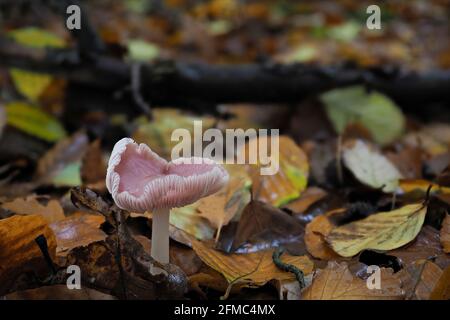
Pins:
x,y
160,235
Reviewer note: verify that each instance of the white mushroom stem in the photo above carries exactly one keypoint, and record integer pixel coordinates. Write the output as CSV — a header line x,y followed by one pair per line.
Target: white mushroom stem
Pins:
x,y
160,236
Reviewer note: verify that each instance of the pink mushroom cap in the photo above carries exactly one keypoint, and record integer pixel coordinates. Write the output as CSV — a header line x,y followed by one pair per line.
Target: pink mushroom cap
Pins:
x,y
140,180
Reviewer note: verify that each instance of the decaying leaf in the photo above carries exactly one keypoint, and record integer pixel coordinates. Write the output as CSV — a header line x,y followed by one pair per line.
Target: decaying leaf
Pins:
x,y
441,290
315,234
381,231
253,269
59,292
189,220
30,205
336,282
371,167
445,234
290,180
310,196
78,230
375,111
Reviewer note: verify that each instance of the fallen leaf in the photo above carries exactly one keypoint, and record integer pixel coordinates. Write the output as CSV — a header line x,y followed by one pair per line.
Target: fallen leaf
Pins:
x,y
371,167
411,185
253,269
140,50
33,121
315,233
30,205
93,167
336,282
419,279
445,234
229,202
32,84
380,231
310,196
189,220
290,180
59,292
78,230
373,110
18,249
441,290
262,226
408,161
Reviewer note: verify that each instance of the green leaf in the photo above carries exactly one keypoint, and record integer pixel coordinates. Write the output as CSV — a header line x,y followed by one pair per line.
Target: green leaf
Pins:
x,y
34,121
345,32
31,84
376,112
140,50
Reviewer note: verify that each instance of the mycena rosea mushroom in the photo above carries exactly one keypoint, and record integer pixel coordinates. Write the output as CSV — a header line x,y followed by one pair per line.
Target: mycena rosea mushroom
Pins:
x,y
139,180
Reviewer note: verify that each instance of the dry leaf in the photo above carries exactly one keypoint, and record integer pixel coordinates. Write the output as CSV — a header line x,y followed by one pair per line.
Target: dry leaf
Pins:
x,y
315,234
370,167
445,234
229,202
291,179
17,241
93,168
78,230
441,290
380,231
254,269
336,282
419,279
310,196
52,211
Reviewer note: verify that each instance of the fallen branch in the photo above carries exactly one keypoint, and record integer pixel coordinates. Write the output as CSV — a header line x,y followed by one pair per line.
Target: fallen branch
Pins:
x,y
180,84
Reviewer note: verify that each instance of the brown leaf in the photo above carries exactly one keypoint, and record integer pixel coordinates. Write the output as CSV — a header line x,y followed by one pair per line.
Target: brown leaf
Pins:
x,y
445,234
59,292
52,211
262,226
441,290
222,206
315,234
253,269
93,167
78,230
310,196
18,249
336,282
419,279
408,161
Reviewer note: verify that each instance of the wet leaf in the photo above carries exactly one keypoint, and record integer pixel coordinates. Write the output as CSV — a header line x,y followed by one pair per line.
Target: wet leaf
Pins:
x,y
253,269
189,220
309,197
336,282
375,111
371,167
263,226
380,231
30,205
78,230
290,180
34,121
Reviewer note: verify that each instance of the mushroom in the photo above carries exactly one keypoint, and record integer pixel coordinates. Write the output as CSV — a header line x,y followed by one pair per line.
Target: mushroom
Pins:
x,y
139,180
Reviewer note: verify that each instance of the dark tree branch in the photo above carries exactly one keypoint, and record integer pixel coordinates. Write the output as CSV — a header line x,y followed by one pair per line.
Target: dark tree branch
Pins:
x,y
180,84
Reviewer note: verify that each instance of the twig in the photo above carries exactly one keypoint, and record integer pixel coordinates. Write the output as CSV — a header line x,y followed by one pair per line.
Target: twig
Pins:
x,y
299,275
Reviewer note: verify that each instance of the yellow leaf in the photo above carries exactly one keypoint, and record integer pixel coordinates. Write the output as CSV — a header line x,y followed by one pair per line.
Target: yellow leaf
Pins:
x,y
445,234
32,84
380,231
255,269
290,180
410,185
336,282
34,121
